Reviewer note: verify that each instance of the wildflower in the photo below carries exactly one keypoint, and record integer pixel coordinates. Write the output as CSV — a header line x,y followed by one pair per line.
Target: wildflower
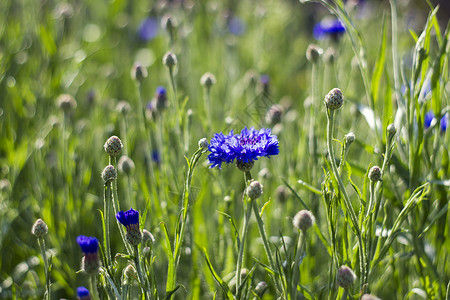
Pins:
x,y
148,29
235,25
334,99
375,174
254,189
83,293
428,120
245,147
39,229
130,219
345,277
444,123
109,173
303,220
113,146
161,98
328,28
89,246
156,157
126,164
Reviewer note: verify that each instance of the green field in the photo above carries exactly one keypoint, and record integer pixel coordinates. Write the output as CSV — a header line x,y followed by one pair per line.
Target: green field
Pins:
x,y
355,191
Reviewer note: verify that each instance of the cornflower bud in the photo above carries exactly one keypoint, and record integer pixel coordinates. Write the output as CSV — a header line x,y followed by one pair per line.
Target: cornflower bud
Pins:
x,y
261,288
375,174
123,107
129,273
329,56
139,72
349,138
39,229
391,130
170,59
168,23
66,102
208,80
303,220
203,143
109,173
161,98
273,115
313,53
345,277
113,146
147,237
126,165
334,99
254,190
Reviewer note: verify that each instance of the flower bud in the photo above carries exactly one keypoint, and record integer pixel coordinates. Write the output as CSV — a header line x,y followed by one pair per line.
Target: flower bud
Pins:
x,y
147,236
369,297
273,115
39,229
168,23
245,166
313,53
208,80
113,146
139,72
254,190
170,59
109,173
349,138
203,143
129,273
391,130
123,107
375,174
345,277
126,165
66,102
160,98
334,99
261,288
303,220
281,194
329,56
147,251
83,293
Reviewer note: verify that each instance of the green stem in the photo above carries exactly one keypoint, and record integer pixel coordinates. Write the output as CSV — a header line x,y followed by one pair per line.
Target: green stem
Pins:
x,y
345,295
208,108
298,255
107,213
347,202
93,288
139,272
41,243
240,259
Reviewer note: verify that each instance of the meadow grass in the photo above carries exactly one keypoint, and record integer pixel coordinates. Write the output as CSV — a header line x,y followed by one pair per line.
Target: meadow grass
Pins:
x,y
111,105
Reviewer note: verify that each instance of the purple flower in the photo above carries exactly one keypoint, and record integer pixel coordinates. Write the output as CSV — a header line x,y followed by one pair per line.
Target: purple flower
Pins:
x,y
429,117
148,29
161,93
83,293
88,244
444,123
328,27
244,147
236,26
156,157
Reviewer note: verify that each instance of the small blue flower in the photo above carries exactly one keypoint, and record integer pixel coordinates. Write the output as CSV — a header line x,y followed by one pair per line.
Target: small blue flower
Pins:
x,y
88,244
429,117
244,147
128,218
83,293
444,123
236,26
328,27
148,29
156,157
161,93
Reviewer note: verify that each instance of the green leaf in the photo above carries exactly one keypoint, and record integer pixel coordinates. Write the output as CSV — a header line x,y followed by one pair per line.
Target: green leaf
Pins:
x,y
379,65
220,281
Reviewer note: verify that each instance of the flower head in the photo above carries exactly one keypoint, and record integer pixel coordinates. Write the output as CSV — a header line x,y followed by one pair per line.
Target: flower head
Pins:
x,y
429,117
303,220
88,244
328,27
345,277
161,98
130,219
245,147
83,293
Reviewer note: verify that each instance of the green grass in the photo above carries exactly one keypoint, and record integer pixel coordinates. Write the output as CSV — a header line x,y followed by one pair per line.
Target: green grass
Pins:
x,y
51,161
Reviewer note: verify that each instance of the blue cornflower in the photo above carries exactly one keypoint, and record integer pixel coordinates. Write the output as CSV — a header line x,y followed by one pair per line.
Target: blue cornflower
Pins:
x,y
429,117
245,147
161,98
148,29
130,219
88,244
444,123
83,293
236,26
328,27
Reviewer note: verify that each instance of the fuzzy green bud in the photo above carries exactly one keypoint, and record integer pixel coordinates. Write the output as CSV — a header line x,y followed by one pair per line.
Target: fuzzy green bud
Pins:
x,y
303,220
208,80
113,146
375,174
66,102
109,173
39,229
245,166
391,130
254,189
334,99
126,165
203,143
129,273
139,72
329,56
345,277
313,53
147,237
123,107
261,288
170,59
349,138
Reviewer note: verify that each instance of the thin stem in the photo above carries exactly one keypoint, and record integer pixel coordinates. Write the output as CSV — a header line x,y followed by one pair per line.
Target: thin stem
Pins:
x,y
345,295
208,108
139,272
347,202
175,100
41,243
107,213
298,255
240,259
93,288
